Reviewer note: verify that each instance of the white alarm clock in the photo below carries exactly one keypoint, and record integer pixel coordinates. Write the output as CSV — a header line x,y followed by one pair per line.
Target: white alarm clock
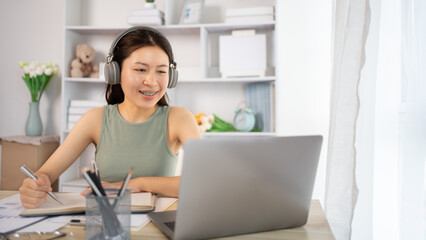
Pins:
x,y
244,119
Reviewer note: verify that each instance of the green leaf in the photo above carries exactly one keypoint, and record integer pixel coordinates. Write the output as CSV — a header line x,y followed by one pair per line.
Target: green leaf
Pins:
x,y
221,126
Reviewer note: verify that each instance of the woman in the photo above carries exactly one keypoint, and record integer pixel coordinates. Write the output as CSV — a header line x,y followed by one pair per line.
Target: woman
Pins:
x,y
136,129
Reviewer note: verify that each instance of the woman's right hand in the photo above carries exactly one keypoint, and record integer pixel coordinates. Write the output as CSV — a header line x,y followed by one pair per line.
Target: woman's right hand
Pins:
x,y
34,192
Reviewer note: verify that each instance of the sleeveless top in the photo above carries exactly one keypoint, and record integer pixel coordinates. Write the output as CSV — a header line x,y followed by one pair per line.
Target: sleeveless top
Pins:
x,y
143,146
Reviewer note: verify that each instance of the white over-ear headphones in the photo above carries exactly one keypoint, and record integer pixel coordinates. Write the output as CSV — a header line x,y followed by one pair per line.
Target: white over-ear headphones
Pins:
x,y
112,68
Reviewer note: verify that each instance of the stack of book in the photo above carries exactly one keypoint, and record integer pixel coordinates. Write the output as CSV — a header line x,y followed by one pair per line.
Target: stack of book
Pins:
x,y
146,17
250,15
77,108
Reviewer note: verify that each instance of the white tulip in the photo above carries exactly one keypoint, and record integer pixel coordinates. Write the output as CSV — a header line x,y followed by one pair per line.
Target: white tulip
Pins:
x,y
39,71
26,69
55,69
204,119
32,74
22,64
48,72
211,118
33,65
208,126
202,128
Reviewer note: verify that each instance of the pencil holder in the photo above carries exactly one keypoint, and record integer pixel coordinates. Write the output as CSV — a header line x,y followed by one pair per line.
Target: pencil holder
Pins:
x,y
108,217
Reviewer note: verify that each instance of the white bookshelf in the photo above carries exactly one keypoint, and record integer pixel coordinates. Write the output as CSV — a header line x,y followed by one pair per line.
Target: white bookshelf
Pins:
x,y
201,87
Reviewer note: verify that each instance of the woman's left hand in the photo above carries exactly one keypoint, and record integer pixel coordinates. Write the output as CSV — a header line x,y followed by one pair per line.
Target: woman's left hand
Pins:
x,y
132,186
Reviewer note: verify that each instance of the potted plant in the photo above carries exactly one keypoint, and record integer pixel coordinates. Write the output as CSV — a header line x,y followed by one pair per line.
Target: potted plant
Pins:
x,y
36,77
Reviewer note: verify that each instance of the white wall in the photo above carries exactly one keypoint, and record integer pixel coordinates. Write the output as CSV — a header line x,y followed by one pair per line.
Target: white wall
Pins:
x,y
30,30
304,30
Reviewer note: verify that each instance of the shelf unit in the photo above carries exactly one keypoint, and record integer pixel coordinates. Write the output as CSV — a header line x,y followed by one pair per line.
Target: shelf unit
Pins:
x,y
195,46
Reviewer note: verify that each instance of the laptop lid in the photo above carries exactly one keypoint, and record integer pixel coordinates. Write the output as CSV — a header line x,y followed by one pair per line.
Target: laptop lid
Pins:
x,y
244,184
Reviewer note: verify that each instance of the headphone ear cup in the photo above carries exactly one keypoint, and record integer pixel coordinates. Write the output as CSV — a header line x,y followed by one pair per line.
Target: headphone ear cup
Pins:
x,y
173,78
112,73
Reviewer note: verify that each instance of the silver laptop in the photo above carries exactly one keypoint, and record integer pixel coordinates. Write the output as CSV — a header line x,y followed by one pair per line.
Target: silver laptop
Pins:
x,y
238,185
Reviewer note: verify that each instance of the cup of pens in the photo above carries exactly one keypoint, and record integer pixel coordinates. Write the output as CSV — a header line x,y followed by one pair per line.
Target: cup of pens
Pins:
x,y
108,217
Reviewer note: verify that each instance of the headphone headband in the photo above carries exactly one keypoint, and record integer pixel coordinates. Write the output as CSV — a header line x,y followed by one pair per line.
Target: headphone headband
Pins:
x,y
112,69
113,49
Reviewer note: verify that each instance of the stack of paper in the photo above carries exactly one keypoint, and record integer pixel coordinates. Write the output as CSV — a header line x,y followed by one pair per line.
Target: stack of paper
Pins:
x,y
143,17
250,15
77,108
260,98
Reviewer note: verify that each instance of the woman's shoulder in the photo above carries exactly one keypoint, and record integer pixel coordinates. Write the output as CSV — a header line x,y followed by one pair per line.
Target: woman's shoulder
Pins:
x,y
183,124
94,115
179,112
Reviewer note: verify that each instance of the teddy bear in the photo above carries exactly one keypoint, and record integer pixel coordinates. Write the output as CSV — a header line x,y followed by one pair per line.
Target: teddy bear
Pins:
x,y
83,65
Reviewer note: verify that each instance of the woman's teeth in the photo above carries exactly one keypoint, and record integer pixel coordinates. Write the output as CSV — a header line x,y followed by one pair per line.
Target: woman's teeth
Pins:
x,y
148,93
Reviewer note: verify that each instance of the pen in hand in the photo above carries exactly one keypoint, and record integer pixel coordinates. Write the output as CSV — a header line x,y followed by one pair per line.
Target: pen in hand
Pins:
x,y
32,175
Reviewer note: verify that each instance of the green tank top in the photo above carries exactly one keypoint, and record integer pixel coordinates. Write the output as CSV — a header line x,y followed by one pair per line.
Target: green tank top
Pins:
x,y
143,146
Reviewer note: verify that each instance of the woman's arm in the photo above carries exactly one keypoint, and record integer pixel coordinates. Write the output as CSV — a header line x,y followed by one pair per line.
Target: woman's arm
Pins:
x,y
86,131
167,186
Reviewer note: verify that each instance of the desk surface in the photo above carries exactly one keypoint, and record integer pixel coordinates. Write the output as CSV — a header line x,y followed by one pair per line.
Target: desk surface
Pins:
x,y
316,228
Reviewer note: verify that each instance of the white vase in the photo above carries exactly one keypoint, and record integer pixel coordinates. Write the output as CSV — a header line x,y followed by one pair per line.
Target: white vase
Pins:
x,y
150,5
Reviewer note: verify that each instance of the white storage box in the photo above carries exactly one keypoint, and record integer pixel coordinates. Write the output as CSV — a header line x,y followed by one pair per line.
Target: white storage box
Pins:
x,y
242,56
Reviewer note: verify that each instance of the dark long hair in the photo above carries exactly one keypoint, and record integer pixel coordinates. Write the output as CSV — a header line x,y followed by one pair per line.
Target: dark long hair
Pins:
x,y
129,43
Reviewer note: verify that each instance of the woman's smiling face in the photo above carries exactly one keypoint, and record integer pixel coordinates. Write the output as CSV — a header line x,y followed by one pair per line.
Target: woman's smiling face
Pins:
x,y
144,76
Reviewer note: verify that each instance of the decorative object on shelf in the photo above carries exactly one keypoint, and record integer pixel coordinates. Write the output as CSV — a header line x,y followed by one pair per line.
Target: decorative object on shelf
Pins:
x,y
259,14
83,65
192,12
149,16
37,76
212,123
242,54
244,119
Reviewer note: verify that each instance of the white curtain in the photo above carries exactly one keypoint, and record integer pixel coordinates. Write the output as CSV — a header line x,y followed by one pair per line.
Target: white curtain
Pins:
x,y
351,24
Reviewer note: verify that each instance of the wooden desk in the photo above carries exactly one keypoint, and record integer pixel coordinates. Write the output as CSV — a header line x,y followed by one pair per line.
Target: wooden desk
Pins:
x,y
317,228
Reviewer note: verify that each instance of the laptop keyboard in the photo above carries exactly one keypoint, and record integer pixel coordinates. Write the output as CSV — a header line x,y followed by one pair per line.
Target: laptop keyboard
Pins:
x,y
171,225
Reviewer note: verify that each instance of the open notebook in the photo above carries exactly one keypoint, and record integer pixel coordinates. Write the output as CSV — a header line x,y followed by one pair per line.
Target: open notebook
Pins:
x,y
76,203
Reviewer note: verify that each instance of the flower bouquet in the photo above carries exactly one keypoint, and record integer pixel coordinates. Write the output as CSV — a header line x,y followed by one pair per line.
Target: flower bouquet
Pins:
x,y
37,76
212,123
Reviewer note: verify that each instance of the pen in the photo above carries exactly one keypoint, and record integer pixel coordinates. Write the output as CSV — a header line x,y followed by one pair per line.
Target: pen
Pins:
x,y
125,182
95,168
123,187
89,180
32,175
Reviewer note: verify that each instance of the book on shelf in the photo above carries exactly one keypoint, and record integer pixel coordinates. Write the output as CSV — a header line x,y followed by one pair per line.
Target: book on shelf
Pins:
x,y
250,19
70,125
153,17
78,107
260,98
73,202
74,117
86,103
78,110
144,20
249,11
250,15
